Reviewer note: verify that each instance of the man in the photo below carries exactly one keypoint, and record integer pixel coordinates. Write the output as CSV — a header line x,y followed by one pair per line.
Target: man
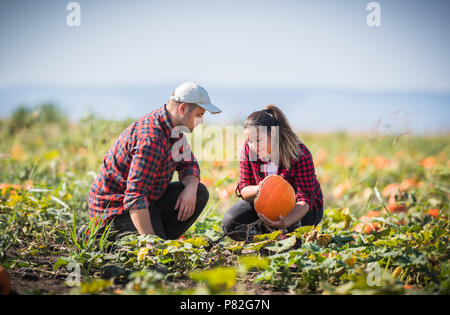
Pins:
x,y
134,188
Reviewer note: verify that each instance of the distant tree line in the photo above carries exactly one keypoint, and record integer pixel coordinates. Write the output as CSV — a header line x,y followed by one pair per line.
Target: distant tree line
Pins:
x,y
25,117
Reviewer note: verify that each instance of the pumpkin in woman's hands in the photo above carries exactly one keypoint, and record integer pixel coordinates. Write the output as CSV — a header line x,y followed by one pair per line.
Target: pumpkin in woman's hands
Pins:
x,y
275,197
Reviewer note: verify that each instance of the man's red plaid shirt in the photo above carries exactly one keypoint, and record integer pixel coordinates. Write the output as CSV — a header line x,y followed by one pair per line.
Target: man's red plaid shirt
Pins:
x,y
138,167
301,176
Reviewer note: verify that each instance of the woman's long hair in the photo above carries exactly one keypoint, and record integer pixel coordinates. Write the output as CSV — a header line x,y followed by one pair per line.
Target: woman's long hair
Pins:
x,y
272,116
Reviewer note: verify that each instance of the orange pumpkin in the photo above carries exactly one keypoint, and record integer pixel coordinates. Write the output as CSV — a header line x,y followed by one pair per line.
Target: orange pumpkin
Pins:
x,y
373,214
340,189
391,189
407,184
207,181
367,227
395,207
428,162
381,162
5,282
433,212
275,197
225,193
374,226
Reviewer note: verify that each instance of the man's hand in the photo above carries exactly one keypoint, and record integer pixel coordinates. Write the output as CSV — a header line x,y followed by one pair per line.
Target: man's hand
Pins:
x,y
187,199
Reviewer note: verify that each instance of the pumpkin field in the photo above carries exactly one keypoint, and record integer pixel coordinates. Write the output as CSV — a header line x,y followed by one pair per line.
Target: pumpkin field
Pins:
x,y
385,228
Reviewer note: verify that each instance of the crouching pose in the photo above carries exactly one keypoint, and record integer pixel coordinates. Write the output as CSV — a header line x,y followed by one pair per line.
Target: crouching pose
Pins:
x,y
134,187
261,156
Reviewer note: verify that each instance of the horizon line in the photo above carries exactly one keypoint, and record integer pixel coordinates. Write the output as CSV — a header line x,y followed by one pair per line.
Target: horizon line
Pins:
x,y
377,90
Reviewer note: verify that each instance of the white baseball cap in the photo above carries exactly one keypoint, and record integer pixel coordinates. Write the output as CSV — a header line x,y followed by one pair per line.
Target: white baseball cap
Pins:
x,y
191,92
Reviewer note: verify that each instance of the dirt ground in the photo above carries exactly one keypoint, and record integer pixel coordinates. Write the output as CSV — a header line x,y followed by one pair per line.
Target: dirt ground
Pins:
x,y
44,280
25,281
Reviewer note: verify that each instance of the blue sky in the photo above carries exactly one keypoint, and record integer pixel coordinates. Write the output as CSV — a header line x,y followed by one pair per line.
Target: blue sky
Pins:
x,y
316,46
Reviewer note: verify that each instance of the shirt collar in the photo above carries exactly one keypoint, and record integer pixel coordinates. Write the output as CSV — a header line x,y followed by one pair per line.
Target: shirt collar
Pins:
x,y
167,123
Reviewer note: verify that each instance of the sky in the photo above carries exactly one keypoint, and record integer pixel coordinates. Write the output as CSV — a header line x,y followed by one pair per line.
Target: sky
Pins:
x,y
321,52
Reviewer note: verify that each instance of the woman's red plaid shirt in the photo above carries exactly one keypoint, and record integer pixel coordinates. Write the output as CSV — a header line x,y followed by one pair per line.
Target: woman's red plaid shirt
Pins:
x,y
301,176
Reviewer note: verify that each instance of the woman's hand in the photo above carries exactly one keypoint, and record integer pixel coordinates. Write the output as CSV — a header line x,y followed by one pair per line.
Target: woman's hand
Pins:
x,y
279,224
297,213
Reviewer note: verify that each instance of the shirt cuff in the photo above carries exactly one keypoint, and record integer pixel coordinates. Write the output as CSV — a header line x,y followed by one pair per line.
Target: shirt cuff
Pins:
x,y
187,172
136,204
302,197
237,191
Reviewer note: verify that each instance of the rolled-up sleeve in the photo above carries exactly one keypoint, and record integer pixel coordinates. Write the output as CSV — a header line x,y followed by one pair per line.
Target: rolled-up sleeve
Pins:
x,y
301,196
186,168
188,164
246,177
146,155
305,178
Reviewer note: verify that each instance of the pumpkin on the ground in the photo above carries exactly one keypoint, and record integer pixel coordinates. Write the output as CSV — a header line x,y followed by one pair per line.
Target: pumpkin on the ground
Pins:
x,y
433,213
367,227
5,282
395,207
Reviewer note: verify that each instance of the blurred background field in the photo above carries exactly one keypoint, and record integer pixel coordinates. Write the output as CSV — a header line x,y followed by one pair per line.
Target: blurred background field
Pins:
x,y
42,146
377,188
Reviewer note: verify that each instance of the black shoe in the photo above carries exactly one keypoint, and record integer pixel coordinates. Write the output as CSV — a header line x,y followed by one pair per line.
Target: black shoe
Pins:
x,y
265,252
252,232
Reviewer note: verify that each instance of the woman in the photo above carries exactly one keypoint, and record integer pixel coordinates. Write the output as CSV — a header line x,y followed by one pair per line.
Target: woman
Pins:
x,y
272,147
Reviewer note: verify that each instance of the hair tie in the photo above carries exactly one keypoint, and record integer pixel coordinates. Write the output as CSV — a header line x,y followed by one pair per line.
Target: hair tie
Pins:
x,y
268,111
